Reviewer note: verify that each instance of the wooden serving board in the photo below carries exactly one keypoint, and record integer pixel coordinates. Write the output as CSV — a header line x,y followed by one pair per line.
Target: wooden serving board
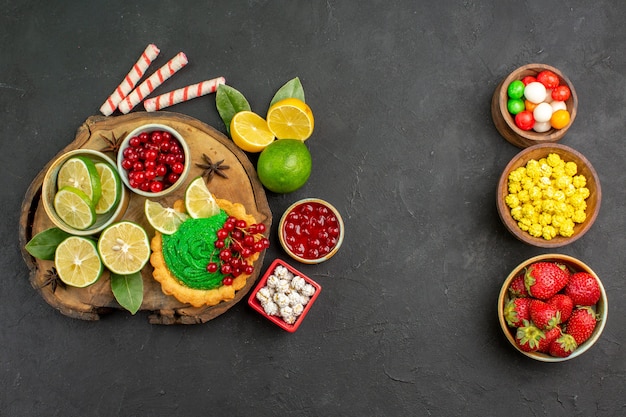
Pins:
x,y
242,186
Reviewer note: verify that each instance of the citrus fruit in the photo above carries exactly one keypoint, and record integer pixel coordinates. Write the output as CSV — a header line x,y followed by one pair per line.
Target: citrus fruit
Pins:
x,y
250,131
80,172
290,118
77,262
74,208
124,247
284,166
164,219
111,188
199,202
560,119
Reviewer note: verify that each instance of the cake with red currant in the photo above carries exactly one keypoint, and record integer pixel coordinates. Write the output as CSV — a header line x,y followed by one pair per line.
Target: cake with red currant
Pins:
x,y
208,259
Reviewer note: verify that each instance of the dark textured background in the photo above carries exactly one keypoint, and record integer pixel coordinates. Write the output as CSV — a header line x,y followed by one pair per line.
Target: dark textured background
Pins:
x,y
404,147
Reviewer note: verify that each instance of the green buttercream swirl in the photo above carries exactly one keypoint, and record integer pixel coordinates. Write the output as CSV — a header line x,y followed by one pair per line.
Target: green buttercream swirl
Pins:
x,y
188,251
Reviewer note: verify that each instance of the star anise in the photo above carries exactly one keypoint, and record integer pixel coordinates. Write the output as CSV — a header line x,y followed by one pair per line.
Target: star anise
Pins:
x,y
52,279
113,144
211,168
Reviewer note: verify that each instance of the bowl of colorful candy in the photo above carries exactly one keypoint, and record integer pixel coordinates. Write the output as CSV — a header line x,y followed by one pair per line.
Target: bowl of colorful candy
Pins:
x,y
552,307
82,192
284,295
153,160
534,104
311,230
548,195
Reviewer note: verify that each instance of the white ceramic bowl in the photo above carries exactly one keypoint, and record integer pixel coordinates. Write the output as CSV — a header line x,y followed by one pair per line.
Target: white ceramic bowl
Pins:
x,y
148,128
49,189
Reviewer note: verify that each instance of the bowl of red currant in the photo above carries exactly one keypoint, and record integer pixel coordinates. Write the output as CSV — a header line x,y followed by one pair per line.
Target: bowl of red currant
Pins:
x,y
153,160
311,230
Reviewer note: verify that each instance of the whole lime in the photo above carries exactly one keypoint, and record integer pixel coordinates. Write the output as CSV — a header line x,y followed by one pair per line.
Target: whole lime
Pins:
x,y
284,165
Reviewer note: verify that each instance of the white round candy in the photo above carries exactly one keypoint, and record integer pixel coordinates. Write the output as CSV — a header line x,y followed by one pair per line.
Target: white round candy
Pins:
x,y
558,105
541,127
548,98
542,112
535,92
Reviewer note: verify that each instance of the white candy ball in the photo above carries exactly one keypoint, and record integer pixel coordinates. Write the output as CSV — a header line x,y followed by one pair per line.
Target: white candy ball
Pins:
x,y
548,98
535,92
542,112
558,105
541,127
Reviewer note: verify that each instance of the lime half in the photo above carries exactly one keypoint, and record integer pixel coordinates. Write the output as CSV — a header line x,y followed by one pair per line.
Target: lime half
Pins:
x,y
124,247
77,261
111,188
80,172
74,208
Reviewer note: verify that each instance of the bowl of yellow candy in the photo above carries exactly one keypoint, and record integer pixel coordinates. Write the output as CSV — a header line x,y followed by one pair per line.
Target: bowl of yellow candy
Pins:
x,y
548,195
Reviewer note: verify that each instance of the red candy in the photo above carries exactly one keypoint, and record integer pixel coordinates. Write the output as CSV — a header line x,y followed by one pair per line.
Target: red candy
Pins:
x,y
525,120
561,93
548,78
528,79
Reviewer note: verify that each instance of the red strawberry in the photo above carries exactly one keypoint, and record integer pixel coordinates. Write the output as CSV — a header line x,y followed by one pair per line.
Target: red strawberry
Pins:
x,y
551,335
528,337
564,304
581,324
583,289
543,315
518,287
516,311
563,346
544,279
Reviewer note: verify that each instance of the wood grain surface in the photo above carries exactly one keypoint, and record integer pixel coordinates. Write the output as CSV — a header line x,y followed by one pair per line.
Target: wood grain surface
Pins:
x,y
242,186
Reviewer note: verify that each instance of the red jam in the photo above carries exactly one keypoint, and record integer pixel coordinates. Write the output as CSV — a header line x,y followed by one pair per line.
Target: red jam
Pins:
x,y
311,230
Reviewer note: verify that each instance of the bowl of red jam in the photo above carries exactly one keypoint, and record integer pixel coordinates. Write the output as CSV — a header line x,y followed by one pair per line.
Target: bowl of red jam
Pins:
x,y
311,230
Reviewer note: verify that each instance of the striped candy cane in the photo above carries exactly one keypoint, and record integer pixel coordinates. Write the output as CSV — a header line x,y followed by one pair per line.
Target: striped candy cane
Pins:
x,y
155,80
183,94
130,80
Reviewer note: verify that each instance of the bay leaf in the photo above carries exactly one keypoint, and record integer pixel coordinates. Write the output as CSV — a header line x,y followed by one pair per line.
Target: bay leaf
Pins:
x,y
44,244
229,102
291,89
128,290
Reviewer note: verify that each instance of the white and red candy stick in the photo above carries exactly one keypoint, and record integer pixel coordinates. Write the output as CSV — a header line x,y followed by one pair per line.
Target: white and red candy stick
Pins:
x,y
155,80
131,79
183,94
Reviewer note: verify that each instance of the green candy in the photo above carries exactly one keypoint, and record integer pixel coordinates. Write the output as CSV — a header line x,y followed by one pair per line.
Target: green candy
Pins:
x,y
515,105
516,89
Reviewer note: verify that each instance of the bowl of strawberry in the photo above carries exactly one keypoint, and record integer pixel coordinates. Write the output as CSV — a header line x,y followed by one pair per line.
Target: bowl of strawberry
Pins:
x,y
536,103
153,160
552,307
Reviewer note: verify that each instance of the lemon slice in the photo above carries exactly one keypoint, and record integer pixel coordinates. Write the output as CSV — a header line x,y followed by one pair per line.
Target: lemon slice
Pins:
x,y
290,118
250,131
77,262
199,202
80,172
111,187
164,219
124,248
74,208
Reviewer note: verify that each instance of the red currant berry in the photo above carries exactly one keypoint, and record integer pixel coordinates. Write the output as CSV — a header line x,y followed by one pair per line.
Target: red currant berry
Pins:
x,y
227,281
134,141
241,224
225,255
222,234
178,167
137,166
167,136
156,186
161,170
143,137
212,267
156,137
226,269
127,164
260,228
172,177
248,269
151,155
219,244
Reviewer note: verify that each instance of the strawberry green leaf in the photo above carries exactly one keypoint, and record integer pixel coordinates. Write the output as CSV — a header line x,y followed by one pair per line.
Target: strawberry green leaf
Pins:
x,y
128,290
229,102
